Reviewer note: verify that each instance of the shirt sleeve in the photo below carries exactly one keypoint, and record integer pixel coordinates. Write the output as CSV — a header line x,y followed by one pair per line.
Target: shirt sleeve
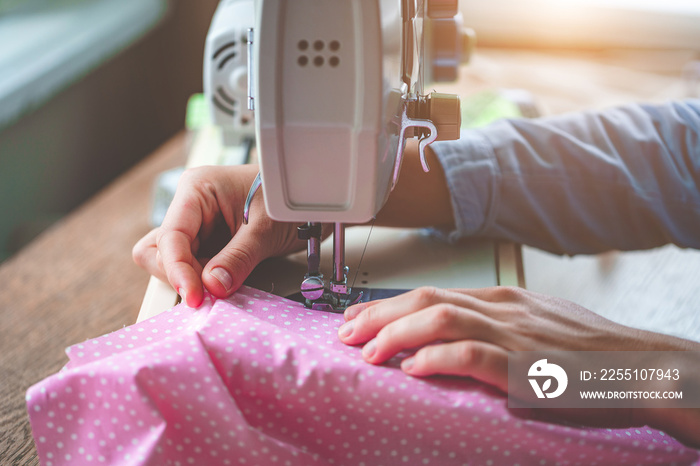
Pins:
x,y
624,178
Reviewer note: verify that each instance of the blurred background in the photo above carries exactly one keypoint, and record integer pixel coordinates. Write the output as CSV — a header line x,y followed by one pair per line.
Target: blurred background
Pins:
x,y
90,87
87,89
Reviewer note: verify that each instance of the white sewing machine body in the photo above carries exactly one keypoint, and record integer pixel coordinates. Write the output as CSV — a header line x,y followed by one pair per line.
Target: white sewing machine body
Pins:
x,y
324,113
332,114
335,88
327,96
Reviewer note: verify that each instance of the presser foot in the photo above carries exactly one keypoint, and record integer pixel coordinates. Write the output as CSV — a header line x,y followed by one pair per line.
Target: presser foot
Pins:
x,y
329,301
338,305
334,302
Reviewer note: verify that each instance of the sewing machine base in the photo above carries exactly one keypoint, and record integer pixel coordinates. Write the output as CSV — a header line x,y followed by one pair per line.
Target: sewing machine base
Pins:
x,y
394,260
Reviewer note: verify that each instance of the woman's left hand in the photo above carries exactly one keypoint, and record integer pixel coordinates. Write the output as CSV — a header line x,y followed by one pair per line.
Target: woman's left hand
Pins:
x,y
475,329
470,332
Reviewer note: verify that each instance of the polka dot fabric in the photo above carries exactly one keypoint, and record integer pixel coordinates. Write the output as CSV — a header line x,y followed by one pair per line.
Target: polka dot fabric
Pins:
x,y
260,380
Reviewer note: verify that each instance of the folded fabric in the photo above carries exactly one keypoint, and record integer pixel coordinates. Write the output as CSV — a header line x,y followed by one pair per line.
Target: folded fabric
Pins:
x,y
260,380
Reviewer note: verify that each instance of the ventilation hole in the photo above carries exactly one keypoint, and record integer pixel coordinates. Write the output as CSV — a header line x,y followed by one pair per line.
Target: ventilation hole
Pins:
x,y
334,61
226,60
318,60
303,45
221,106
303,60
364,282
334,46
227,98
221,49
318,45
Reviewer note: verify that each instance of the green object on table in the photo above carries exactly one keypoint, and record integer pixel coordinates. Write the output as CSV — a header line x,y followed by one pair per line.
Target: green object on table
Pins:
x,y
477,110
197,112
486,107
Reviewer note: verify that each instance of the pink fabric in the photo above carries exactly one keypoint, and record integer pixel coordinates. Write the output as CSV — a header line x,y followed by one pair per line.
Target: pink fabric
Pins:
x,y
257,379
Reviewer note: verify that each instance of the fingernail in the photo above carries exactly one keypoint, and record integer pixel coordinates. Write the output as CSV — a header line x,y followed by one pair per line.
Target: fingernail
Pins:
x,y
369,349
346,329
408,363
223,277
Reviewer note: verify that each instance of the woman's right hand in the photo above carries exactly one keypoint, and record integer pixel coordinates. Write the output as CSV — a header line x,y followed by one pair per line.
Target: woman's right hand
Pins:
x,y
203,242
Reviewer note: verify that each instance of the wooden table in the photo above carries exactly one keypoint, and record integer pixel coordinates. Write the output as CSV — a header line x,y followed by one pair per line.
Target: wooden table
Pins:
x,y
77,281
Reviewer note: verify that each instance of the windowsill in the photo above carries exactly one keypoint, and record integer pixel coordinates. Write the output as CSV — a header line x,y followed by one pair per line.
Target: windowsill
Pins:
x,y
45,50
593,24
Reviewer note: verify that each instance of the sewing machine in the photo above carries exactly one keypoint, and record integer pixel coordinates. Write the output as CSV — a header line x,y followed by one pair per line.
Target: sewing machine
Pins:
x,y
329,92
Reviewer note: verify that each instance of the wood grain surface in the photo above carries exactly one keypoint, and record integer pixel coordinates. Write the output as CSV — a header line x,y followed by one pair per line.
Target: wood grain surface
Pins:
x,y
77,281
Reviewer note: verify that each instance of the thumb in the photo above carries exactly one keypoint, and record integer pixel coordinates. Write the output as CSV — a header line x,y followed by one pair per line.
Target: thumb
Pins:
x,y
227,271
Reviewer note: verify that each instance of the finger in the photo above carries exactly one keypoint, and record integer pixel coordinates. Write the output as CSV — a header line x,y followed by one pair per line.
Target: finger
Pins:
x,y
159,262
177,238
353,311
372,316
445,322
228,269
145,255
198,265
181,267
466,358
143,252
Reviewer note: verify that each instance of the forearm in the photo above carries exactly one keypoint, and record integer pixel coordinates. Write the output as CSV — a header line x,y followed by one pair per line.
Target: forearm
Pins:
x,y
419,199
682,422
625,178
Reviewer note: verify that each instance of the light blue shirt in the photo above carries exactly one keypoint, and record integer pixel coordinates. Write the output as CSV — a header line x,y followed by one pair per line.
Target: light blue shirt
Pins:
x,y
624,178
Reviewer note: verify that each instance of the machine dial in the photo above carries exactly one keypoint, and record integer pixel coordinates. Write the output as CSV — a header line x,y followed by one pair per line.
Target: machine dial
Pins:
x,y
444,111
